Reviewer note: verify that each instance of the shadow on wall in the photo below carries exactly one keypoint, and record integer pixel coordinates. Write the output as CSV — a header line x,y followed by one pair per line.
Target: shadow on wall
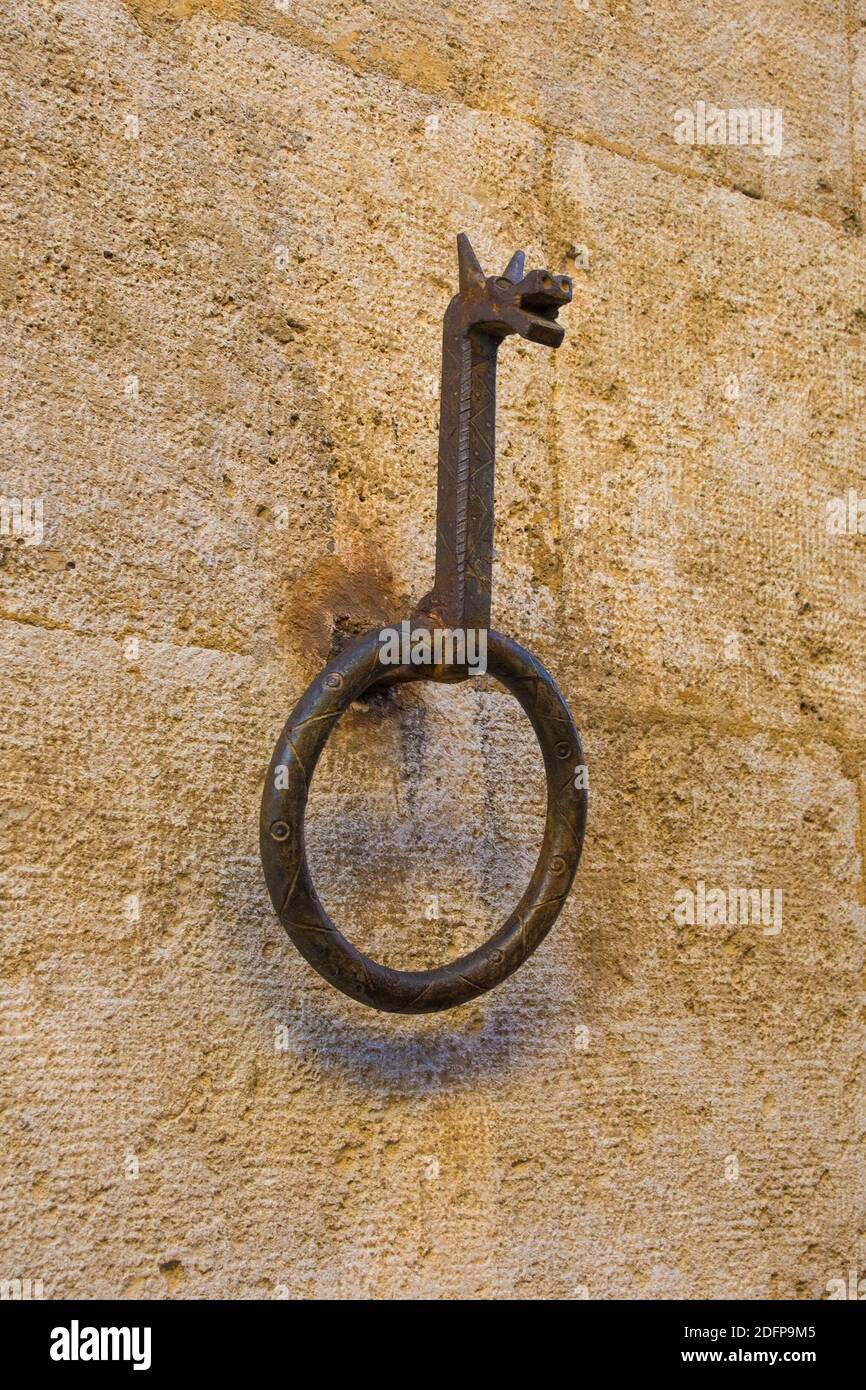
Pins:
x,y
298,1014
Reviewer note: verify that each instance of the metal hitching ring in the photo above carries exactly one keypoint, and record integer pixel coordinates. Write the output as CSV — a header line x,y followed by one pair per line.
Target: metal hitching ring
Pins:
x,y
284,857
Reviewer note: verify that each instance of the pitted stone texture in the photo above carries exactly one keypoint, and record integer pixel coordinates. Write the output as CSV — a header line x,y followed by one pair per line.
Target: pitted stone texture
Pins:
x,y
173,1070
709,409
609,73
229,310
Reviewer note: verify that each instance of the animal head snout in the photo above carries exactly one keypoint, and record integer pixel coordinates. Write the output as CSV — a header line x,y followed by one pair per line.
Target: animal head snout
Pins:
x,y
540,295
542,290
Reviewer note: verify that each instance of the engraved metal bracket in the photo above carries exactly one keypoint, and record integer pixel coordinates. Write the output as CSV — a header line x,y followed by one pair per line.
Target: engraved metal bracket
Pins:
x,y
483,312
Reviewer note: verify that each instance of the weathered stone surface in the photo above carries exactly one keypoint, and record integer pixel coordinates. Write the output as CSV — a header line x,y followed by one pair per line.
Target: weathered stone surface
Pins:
x,y
227,244
193,1042
609,73
709,407
265,321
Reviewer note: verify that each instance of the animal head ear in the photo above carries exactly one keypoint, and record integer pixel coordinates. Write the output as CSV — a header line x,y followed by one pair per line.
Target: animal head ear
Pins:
x,y
471,274
514,271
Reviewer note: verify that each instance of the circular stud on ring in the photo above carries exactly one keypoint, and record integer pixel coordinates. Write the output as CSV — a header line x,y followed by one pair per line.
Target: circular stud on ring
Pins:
x,y
285,862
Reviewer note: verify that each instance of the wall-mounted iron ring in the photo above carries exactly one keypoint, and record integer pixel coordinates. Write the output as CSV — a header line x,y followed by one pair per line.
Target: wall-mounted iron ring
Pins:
x,y
483,313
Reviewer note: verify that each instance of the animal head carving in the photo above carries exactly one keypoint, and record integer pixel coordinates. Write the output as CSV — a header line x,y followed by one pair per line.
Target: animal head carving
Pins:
x,y
512,302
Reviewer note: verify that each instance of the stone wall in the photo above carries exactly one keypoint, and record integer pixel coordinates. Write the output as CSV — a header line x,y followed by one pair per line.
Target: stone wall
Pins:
x,y
228,241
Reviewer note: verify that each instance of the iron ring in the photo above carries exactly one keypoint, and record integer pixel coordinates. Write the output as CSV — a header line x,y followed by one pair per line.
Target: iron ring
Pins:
x,y
287,873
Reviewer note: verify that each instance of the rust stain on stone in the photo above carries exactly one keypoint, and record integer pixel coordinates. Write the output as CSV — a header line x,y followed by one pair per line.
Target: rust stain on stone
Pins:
x,y
338,596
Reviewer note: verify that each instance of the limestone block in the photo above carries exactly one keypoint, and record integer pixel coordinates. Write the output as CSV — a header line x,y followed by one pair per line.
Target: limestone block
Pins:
x,y
702,433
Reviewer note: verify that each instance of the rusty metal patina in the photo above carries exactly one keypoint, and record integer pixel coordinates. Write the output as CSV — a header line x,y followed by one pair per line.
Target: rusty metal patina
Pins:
x,y
484,312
